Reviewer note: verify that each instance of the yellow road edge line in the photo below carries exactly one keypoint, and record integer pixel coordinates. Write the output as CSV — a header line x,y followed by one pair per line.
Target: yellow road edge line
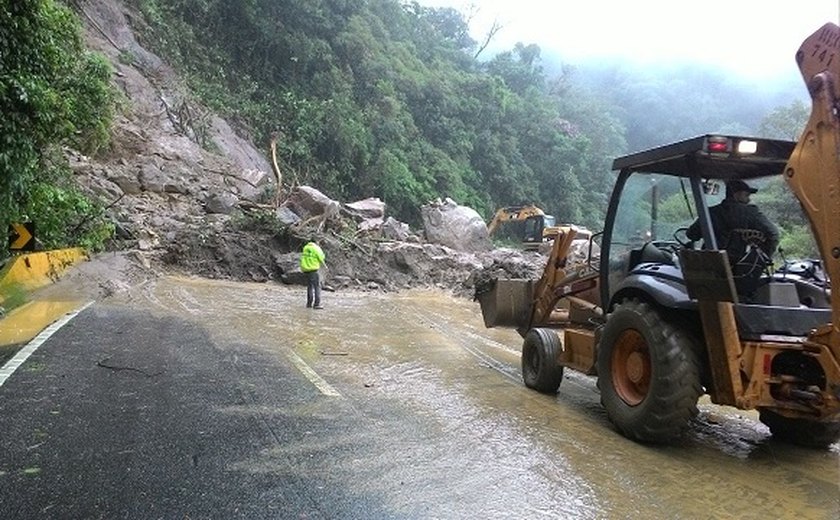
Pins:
x,y
312,376
11,365
25,322
33,270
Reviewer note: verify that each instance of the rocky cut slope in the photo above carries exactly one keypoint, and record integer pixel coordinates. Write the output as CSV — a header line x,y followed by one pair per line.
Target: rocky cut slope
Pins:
x,y
179,205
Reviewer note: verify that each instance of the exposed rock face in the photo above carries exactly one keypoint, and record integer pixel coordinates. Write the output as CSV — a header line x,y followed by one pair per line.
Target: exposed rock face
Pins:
x,y
158,174
458,227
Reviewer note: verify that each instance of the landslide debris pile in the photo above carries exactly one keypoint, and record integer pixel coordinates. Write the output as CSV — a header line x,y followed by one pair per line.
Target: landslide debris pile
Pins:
x,y
365,249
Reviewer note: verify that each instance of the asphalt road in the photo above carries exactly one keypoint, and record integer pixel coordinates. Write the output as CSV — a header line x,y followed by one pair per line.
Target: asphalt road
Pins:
x,y
123,414
196,399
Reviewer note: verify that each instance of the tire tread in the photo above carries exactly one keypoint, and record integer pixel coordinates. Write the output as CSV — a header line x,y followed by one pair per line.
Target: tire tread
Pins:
x,y
670,406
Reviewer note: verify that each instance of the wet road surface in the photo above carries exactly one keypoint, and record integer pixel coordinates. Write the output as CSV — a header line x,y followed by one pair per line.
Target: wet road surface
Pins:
x,y
233,400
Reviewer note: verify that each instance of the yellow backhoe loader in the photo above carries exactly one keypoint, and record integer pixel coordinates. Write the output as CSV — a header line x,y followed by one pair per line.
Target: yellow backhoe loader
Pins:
x,y
661,320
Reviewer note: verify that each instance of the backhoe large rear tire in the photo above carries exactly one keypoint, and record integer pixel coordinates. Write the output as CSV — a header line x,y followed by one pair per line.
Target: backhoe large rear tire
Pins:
x,y
540,370
648,373
802,432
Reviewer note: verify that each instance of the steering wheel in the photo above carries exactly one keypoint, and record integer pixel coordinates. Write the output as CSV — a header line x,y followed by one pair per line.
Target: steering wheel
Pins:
x,y
680,235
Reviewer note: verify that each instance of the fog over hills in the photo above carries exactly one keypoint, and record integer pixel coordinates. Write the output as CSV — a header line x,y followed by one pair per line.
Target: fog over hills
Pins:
x,y
667,102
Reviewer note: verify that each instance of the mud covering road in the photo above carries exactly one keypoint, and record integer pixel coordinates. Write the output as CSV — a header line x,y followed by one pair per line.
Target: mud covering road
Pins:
x,y
379,406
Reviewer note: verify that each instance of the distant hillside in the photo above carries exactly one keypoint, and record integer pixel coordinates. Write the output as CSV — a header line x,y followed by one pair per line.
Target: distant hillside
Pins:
x,y
668,103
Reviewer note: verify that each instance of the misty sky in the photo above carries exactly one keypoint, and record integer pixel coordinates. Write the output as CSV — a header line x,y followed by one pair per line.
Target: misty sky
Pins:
x,y
756,39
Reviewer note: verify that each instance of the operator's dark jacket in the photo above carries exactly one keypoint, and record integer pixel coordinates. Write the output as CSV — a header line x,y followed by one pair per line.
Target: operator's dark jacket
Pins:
x,y
731,214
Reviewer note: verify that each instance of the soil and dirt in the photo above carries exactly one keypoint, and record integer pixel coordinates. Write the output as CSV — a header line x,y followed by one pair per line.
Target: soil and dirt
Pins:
x,y
177,206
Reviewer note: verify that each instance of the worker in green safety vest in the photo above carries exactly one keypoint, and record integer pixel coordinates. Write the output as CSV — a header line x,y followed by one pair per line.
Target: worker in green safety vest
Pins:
x,y
311,260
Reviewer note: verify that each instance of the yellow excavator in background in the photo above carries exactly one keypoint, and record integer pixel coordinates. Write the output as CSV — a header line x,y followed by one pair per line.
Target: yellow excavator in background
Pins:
x,y
662,320
528,224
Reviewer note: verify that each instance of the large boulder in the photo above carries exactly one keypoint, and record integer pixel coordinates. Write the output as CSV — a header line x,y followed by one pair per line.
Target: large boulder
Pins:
x,y
458,227
367,209
306,201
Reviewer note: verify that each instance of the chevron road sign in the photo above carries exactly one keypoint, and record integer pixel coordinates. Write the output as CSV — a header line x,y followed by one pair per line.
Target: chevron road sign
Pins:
x,y
22,236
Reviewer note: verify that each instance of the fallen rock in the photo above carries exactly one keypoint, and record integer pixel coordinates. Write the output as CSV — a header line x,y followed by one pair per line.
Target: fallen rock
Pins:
x,y
370,208
286,216
223,203
289,266
393,229
306,201
458,227
128,184
371,224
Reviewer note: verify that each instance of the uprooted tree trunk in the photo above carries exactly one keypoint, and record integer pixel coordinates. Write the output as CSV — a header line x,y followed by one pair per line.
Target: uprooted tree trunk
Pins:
x,y
278,177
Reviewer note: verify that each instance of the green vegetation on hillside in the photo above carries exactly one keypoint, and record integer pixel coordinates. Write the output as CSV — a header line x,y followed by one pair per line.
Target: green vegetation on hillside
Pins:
x,y
379,98
52,94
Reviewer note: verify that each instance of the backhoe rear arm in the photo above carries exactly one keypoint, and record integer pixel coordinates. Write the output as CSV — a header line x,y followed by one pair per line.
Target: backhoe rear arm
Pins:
x,y
813,171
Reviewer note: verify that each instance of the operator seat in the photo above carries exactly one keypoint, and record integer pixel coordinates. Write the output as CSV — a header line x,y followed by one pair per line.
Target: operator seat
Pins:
x,y
650,253
747,259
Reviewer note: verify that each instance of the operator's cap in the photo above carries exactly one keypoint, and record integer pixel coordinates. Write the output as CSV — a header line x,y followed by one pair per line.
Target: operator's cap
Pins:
x,y
734,186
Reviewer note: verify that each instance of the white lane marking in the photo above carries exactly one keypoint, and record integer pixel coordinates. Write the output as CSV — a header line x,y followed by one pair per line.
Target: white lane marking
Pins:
x,y
13,364
313,377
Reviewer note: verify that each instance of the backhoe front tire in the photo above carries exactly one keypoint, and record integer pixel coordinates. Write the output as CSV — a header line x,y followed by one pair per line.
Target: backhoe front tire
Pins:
x,y
648,373
802,432
540,370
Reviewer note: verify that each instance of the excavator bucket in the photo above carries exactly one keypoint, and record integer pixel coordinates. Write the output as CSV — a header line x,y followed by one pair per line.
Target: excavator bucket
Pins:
x,y
506,302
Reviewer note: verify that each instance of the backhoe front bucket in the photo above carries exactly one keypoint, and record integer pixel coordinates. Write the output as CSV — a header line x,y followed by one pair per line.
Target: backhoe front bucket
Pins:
x,y
506,302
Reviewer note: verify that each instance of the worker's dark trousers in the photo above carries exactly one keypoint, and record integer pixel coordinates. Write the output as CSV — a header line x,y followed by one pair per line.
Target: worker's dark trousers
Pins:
x,y
313,289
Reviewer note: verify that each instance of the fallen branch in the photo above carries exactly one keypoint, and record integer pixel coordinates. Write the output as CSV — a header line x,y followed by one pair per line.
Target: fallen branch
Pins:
x,y
97,26
226,174
248,204
353,243
132,369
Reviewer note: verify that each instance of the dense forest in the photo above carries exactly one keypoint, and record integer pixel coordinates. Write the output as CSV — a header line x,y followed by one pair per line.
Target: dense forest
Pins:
x,y
368,98
379,98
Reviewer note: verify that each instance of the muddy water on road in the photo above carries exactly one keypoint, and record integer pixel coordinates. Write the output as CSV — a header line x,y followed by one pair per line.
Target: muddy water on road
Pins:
x,y
446,429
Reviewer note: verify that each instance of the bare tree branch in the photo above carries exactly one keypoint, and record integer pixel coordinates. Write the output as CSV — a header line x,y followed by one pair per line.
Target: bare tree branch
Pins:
x,y
495,28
